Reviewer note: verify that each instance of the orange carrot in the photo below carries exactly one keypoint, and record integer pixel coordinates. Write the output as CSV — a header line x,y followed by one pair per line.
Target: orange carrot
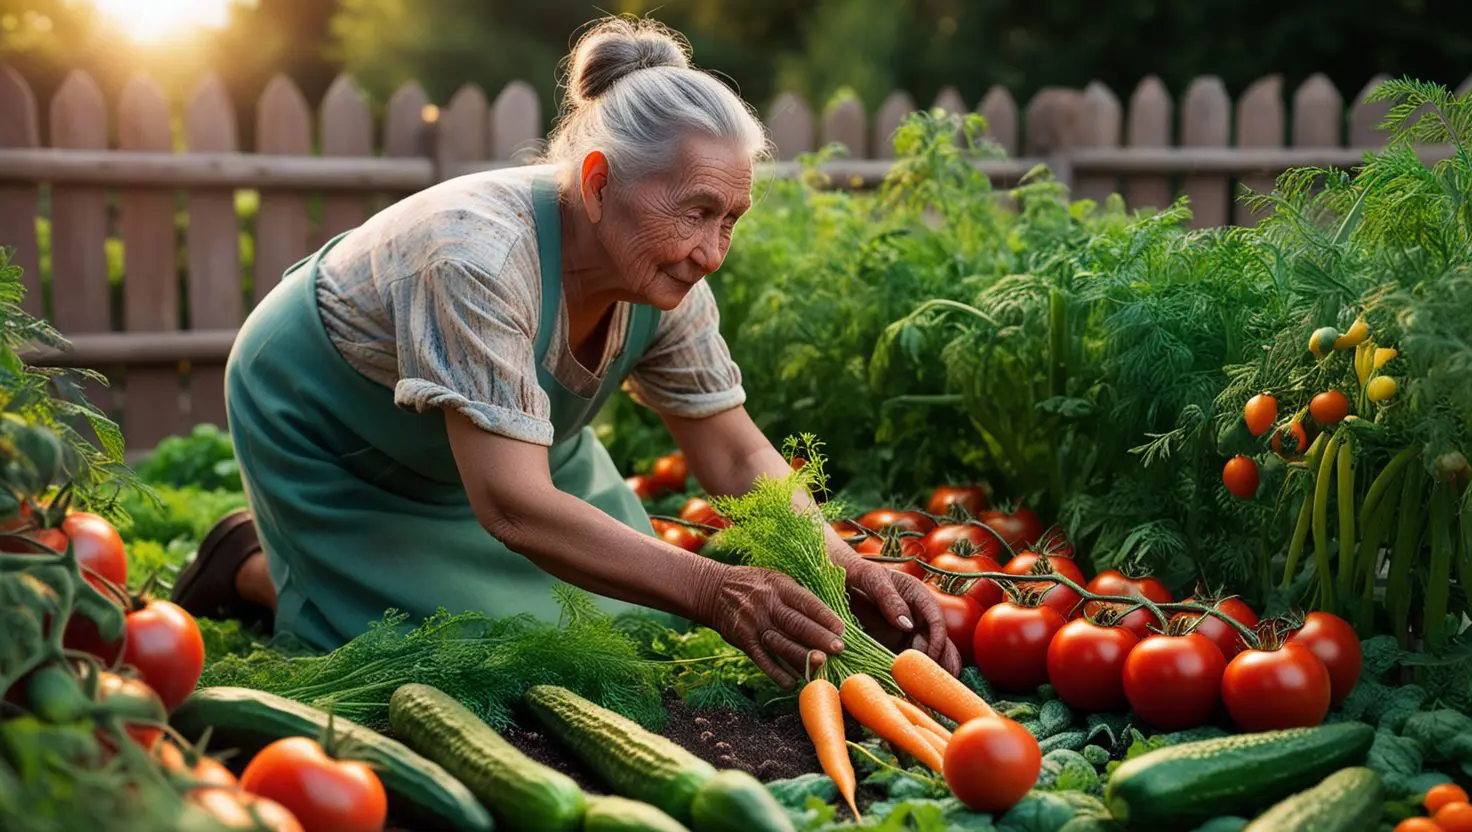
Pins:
x,y
929,684
933,738
867,702
920,719
822,715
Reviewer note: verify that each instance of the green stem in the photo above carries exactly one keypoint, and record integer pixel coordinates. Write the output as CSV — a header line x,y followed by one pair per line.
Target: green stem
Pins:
x,y
1439,580
1386,479
1408,533
1321,526
1346,517
1377,525
1300,536
906,772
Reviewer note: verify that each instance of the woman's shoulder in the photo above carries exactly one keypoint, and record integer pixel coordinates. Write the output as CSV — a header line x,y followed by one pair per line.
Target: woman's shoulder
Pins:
x,y
479,219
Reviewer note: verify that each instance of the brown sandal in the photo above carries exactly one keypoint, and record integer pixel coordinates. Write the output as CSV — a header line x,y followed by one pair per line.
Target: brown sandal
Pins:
x,y
206,587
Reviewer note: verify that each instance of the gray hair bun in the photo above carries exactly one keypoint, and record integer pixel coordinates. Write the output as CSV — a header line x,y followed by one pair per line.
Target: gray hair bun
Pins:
x,y
617,47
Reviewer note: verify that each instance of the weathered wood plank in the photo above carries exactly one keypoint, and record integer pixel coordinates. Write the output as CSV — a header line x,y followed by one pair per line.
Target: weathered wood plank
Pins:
x,y
347,131
1150,120
897,106
790,124
19,202
1206,122
283,126
1099,123
1260,124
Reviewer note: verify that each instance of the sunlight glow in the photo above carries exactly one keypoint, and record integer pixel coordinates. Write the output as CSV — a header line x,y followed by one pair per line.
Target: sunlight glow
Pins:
x,y
154,21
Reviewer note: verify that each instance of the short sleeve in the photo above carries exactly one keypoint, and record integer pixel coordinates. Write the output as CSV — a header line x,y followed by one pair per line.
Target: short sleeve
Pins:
x,y
688,370
466,340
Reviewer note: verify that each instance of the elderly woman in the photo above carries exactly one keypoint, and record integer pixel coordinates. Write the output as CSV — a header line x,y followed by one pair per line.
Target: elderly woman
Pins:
x,y
410,405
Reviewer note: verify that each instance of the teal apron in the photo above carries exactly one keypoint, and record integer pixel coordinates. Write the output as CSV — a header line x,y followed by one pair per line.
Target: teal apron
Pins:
x,y
359,503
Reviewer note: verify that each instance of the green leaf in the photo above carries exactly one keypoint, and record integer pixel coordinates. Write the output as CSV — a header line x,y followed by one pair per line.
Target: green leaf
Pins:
x,y
1037,812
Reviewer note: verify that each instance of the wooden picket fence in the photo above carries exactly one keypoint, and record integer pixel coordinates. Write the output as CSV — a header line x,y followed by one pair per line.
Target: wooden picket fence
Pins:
x,y
156,191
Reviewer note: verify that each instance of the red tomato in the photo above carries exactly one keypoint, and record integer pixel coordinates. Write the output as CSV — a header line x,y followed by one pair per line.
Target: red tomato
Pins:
x,y
961,613
943,538
1240,476
881,519
972,498
1265,690
1061,598
1337,646
1011,645
1174,682
1441,794
899,547
97,543
846,529
991,763
1260,413
1064,600
1454,817
207,770
1067,567
1115,582
1329,407
683,536
323,793
698,510
1086,665
670,471
1020,529
985,591
644,487
1140,621
1054,543
1223,635
164,644
1294,444
1418,824
137,704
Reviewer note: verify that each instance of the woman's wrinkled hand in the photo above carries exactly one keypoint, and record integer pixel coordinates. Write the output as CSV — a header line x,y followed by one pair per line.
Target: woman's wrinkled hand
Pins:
x,y
774,620
899,612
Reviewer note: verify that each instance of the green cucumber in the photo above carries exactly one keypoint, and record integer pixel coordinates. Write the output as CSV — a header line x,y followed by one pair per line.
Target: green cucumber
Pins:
x,y
635,762
611,813
421,794
734,801
1349,800
1181,786
521,793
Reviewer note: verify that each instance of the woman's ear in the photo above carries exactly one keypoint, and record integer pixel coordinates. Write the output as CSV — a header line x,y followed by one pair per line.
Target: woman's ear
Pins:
x,y
593,181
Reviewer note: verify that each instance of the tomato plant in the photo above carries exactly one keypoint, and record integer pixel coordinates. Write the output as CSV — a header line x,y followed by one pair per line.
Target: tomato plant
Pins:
x,y
972,498
1020,528
991,763
1226,637
945,537
1337,646
164,644
1139,621
699,510
321,792
1260,413
1292,445
1027,563
1174,681
1269,689
961,613
670,472
1329,407
1240,476
1086,665
1132,584
881,519
1011,644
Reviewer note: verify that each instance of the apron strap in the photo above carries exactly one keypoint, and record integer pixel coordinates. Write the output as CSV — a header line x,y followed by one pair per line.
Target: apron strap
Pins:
x,y
549,255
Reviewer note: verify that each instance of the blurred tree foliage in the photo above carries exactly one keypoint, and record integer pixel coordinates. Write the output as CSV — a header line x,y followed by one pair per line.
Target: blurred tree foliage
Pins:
x,y
816,47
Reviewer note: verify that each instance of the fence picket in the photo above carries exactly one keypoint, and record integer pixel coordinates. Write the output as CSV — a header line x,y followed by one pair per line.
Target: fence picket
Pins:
x,y
19,202
844,124
1000,111
1365,117
949,99
1318,113
464,134
516,123
1260,124
1099,117
347,130
892,113
215,297
283,230
1205,122
1149,126
790,123
153,402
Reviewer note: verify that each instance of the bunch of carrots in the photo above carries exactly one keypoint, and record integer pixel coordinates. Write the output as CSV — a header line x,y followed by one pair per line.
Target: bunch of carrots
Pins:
x,y
998,764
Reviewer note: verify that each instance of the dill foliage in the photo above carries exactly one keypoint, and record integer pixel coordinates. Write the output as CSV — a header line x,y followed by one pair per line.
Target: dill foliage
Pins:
x,y
486,664
772,533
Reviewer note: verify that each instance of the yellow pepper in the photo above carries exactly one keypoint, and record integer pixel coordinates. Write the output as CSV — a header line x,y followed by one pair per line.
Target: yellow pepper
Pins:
x,y
1380,388
1384,354
1356,335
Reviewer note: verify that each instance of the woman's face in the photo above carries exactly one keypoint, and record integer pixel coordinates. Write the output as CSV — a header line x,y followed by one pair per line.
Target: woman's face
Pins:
x,y
666,233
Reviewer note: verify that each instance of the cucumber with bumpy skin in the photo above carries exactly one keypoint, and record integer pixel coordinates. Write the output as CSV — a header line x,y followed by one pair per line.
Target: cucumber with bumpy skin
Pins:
x,y
1349,800
521,793
1181,786
421,795
611,813
734,801
635,762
